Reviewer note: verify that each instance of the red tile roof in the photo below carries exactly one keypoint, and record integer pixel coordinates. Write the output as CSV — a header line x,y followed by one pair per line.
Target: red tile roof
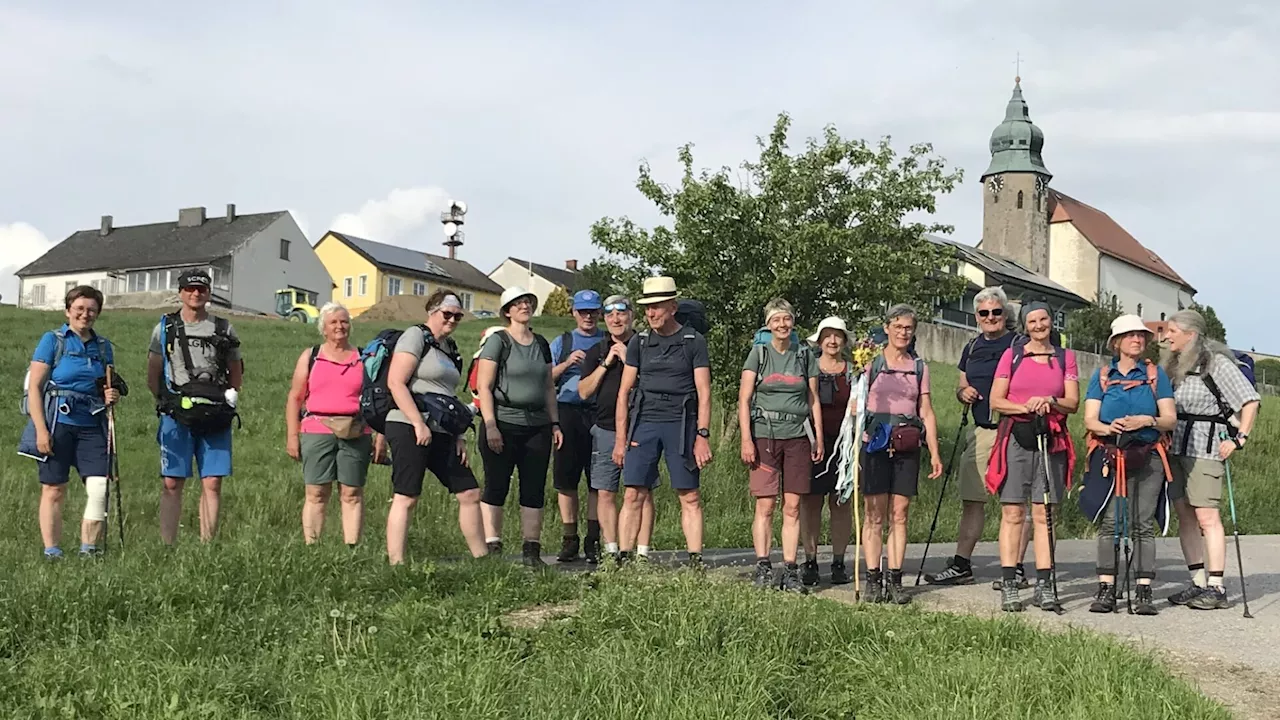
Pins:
x,y
1108,236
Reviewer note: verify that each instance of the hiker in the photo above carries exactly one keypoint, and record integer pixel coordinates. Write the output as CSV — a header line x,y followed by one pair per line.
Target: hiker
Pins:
x,y
977,367
1128,409
1213,395
323,429
780,419
194,370
1036,387
601,377
521,422
65,397
573,458
423,380
834,374
670,370
899,413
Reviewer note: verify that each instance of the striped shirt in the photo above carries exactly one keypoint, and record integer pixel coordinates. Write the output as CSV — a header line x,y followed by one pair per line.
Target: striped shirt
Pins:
x,y
1199,439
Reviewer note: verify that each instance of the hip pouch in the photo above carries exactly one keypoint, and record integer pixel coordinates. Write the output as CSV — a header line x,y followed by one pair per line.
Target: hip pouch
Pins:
x,y
906,438
344,427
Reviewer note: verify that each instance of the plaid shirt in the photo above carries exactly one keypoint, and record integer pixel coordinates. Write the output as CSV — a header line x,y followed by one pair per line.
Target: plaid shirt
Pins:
x,y
1194,398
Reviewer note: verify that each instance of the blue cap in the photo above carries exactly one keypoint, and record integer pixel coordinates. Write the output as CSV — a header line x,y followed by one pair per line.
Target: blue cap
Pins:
x,y
586,300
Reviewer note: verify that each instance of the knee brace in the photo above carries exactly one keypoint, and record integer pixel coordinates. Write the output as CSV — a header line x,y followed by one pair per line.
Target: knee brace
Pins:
x,y
96,506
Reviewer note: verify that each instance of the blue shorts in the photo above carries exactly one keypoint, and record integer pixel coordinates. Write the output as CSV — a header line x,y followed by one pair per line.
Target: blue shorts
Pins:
x,y
212,453
83,447
654,440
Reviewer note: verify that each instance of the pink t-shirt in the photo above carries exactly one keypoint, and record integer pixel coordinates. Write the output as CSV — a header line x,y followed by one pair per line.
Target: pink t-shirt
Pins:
x,y
1035,377
894,393
332,389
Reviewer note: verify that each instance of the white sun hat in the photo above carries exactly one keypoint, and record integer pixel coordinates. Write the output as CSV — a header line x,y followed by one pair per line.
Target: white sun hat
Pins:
x,y
831,322
1126,324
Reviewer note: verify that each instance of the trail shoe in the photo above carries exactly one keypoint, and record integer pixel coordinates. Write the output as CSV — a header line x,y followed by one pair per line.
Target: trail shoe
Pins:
x,y
1009,599
591,549
1142,602
695,562
495,547
809,573
53,553
532,555
998,585
875,592
894,592
839,574
1105,599
952,575
1045,599
763,575
1186,595
1211,598
790,580
568,549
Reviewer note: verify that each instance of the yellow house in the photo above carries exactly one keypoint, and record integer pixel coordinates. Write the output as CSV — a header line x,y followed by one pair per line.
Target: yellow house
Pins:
x,y
365,272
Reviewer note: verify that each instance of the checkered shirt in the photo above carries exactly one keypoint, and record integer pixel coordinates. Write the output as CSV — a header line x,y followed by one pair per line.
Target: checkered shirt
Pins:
x,y
1194,398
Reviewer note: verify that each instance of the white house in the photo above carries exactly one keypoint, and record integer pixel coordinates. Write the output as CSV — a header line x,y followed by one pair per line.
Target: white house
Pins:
x,y
541,280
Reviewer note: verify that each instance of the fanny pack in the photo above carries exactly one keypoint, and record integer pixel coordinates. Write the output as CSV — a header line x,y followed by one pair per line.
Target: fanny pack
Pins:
x,y
344,427
445,413
906,438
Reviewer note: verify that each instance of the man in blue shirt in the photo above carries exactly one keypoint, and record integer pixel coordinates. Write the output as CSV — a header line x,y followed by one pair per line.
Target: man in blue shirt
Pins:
x,y
573,458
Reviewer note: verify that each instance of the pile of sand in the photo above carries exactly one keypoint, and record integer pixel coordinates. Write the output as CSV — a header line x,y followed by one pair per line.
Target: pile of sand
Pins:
x,y
397,308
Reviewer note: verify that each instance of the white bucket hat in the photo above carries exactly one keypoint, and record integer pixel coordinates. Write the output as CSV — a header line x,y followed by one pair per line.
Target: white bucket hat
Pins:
x,y
1126,324
835,323
513,294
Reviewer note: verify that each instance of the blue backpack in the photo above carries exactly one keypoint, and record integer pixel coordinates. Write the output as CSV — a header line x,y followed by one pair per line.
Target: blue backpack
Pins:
x,y
375,398
1245,362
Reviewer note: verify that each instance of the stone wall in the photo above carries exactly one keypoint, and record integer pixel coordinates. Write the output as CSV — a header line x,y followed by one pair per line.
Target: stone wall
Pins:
x,y
944,343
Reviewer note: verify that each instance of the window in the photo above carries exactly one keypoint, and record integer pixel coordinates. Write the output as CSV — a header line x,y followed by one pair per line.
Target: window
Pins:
x,y
346,287
466,301
364,285
393,286
1019,199
419,288
157,280
70,284
284,249
37,295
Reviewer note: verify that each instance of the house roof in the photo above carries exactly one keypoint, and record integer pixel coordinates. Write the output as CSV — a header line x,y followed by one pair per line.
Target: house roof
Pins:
x,y
1108,236
560,276
416,262
157,245
1007,270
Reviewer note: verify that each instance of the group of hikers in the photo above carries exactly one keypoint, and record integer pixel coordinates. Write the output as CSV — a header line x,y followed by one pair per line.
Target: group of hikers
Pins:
x,y
612,404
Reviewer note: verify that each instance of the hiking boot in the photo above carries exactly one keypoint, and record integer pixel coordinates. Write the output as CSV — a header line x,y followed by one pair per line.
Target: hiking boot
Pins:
x,y
875,592
495,547
695,562
591,549
839,574
1186,595
1143,604
1022,581
952,575
790,580
532,555
53,553
809,573
568,549
1010,600
1045,598
1210,598
763,575
894,592
1105,600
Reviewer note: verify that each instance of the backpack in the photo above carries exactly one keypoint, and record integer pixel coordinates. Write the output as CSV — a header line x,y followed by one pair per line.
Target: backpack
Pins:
x,y
1245,362
504,353
105,355
200,404
692,313
566,349
880,366
1020,353
804,353
375,361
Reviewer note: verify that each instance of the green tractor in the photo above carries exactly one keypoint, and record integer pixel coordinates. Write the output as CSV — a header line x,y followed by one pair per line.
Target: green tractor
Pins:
x,y
297,305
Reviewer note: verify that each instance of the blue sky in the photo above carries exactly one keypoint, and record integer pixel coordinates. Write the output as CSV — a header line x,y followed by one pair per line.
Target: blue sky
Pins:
x,y
368,116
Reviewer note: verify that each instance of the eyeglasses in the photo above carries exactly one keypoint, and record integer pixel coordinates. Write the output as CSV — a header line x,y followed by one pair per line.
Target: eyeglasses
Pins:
x,y
997,312
617,307
451,316
195,289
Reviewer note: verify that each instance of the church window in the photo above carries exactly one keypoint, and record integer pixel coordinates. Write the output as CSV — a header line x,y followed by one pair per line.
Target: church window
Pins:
x,y
1019,199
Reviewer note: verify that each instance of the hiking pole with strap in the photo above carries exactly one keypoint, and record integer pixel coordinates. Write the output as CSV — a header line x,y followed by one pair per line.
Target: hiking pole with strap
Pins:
x,y
113,471
1235,530
1122,492
1048,517
942,494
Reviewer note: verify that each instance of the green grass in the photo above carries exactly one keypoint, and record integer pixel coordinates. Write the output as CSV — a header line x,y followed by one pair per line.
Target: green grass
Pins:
x,y
243,628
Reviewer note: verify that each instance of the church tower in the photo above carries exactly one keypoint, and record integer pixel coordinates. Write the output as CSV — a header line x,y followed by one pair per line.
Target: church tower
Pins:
x,y
1015,205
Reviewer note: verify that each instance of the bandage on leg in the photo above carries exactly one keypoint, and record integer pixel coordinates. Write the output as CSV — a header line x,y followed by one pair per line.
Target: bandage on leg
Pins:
x,y
95,508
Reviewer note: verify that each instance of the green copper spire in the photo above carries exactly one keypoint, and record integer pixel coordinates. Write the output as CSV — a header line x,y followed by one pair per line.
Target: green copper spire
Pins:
x,y
1016,142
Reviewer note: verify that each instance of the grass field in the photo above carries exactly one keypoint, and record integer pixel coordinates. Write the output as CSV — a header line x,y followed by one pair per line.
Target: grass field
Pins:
x,y
257,625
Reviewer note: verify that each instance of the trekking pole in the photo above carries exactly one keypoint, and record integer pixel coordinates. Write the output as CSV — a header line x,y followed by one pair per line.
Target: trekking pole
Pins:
x,y
1048,518
857,521
1235,530
1123,480
942,494
113,472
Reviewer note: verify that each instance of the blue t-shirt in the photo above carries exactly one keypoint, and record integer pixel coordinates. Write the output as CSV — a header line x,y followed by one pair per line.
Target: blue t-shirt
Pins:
x,y
978,362
77,371
567,386
1138,400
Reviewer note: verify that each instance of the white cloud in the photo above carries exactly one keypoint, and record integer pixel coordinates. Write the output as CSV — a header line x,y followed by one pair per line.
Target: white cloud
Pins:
x,y
400,213
20,243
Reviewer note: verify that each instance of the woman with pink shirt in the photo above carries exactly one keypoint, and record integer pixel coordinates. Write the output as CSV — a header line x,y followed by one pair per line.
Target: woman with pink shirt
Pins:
x,y
324,428
1036,387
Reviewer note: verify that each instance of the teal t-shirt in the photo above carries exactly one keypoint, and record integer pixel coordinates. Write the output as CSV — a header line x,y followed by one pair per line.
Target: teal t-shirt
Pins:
x,y
782,387
521,393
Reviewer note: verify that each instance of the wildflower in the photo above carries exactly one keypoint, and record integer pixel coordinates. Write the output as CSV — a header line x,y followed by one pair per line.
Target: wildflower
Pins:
x,y
373,630
335,613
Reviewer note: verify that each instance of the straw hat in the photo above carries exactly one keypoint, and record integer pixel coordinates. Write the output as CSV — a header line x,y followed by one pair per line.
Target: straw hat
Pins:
x,y
835,323
658,289
1126,324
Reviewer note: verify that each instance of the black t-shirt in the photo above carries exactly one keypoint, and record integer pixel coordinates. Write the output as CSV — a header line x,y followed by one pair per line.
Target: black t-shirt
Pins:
x,y
978,363
606,397
666,372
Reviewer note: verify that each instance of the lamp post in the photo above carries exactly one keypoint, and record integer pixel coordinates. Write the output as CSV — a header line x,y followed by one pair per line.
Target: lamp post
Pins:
x,y
453,219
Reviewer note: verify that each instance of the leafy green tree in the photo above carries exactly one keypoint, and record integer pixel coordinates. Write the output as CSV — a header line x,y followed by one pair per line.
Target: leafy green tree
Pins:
x,y
1089,328
825,228
1268,370
1213,326
558,303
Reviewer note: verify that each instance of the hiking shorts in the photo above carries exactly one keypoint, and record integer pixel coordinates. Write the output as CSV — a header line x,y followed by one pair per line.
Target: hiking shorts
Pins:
x,y
1025,479
788,463
898,474
178,445
972,472
326,457
410,462
573,459
605,475
827,471
650,443
1199,480
83,447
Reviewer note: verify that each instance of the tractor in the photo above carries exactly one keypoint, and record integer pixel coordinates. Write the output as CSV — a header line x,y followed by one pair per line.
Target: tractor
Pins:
x,y
297,305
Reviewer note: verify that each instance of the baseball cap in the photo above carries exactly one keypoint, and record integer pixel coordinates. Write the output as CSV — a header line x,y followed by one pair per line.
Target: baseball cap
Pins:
x,y
194,277
586,300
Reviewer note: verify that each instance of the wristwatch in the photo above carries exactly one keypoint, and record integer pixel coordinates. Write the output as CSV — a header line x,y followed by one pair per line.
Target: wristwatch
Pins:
x,y
704,433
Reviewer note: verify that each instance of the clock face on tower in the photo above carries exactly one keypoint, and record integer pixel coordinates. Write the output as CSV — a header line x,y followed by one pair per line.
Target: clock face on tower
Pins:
x,y
995,184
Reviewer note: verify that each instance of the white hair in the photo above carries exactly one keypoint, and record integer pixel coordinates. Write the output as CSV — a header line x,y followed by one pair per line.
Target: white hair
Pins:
x,y
901,310
988,294
1199,351
328,309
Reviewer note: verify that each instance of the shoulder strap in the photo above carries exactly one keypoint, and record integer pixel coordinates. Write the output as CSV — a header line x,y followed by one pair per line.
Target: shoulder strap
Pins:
x,y
59,347
545,347
566,347
315,352
1019,354
877,367
184,344
919,383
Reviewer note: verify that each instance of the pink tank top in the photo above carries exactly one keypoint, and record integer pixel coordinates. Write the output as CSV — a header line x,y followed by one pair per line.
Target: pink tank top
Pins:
x,y
332,389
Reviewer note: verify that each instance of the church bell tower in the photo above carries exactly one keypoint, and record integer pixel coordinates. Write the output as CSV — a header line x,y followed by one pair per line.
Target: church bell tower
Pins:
x,y
1015,205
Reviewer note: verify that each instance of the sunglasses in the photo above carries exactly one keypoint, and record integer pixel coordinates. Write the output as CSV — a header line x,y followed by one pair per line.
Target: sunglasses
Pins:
x,y
988,313
196,288
454,316
617,307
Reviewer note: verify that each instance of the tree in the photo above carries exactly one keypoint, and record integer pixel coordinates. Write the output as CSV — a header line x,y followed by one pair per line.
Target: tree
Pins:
x,y
605,277
824,228
1213,326
558,303
1267,371
1089,328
